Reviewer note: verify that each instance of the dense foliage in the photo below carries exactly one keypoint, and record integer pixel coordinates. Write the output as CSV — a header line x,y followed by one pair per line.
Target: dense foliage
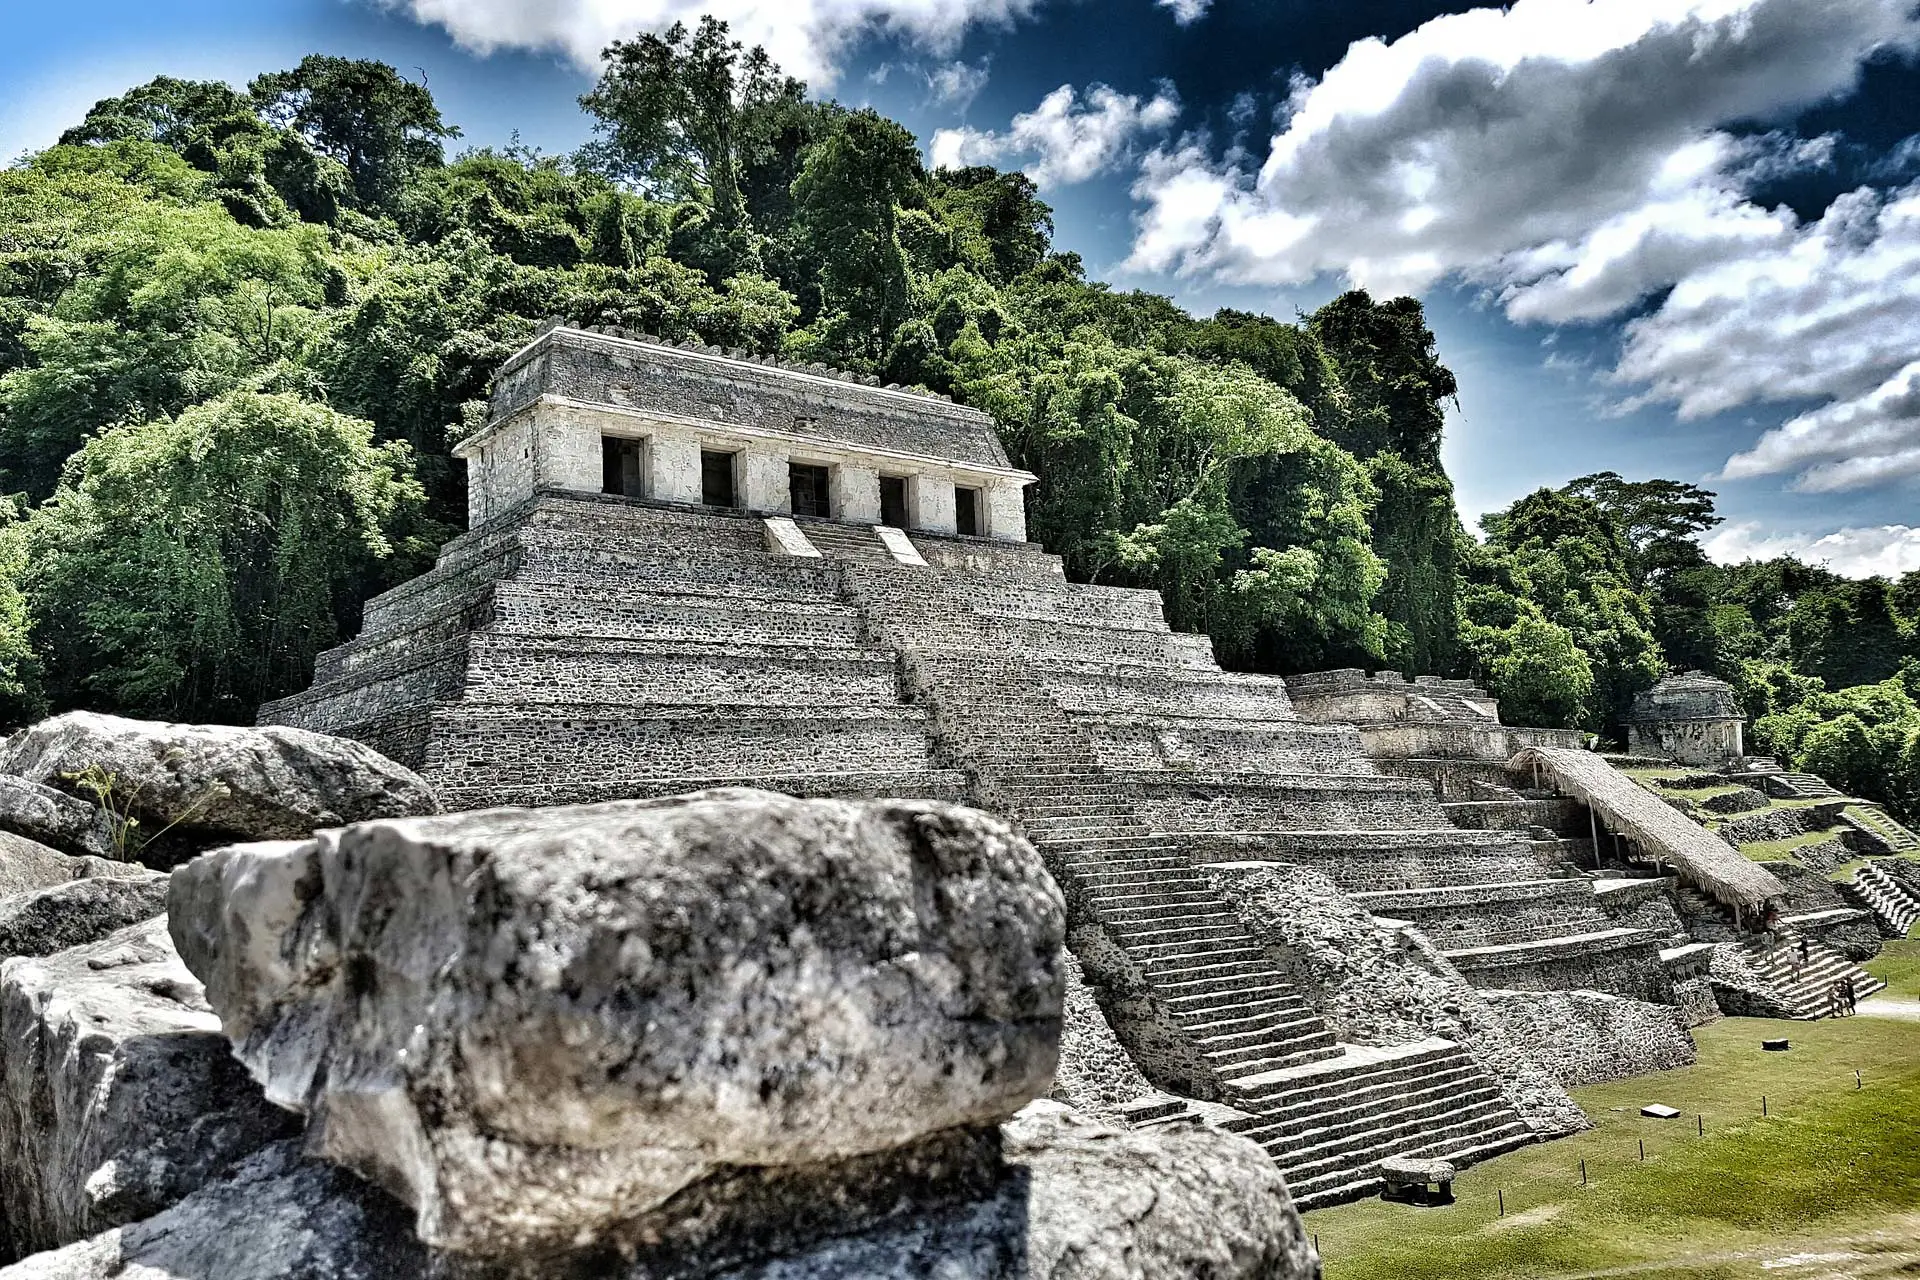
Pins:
x,y
240,331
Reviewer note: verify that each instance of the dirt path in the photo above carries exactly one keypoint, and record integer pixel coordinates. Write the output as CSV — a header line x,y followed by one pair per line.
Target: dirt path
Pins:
x,y
1890,1007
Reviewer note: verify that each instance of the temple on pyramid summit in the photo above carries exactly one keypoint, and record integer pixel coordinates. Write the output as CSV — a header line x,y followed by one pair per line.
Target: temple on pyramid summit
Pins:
x,y
1352,916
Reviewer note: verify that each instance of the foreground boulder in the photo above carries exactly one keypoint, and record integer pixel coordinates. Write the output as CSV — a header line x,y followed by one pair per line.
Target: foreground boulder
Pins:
x,y
275,1216
77,912
1073,1197
259,784
539,1027
54,818
1083,1199
27,865
118,1093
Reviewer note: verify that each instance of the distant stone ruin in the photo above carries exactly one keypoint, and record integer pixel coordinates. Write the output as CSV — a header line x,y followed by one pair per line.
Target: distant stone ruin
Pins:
x,y
1692,718
1321,912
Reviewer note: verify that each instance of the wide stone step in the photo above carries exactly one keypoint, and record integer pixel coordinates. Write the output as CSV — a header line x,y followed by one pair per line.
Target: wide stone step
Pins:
x,y
1351,1113
1190,995
1285,1042
1361,1066
1273,1027
1210,1002
1165,958
1130,908
1374,1093
1148,904
1314,1045
1461,1150
1241,1017
1392,1132
1208,970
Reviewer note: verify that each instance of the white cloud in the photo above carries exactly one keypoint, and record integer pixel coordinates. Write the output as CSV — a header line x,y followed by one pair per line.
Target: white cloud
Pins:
x,y
1070,138
1574,157
1886,550
1489,134
806,37
1186,12
957,84
1865,439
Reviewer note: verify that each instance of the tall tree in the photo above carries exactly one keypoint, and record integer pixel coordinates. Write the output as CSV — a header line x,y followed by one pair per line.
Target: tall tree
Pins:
x,y
847,198
684,114
193,566
382,127
1389,412
1659,519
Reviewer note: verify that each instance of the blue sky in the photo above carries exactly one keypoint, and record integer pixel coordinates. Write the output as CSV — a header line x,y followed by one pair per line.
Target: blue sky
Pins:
x,y
1663,237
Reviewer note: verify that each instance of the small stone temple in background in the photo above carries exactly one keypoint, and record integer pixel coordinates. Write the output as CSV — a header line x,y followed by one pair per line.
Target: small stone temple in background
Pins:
x,y
1692,718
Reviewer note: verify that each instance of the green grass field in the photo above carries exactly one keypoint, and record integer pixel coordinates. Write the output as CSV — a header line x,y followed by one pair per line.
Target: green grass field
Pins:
x,y
1826,1185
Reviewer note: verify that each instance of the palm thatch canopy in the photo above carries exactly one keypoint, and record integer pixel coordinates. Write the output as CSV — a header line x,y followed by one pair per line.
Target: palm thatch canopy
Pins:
x,y
1701,858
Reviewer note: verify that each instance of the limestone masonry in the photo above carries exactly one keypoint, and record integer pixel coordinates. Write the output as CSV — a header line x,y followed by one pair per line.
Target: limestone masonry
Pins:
x,y
688,569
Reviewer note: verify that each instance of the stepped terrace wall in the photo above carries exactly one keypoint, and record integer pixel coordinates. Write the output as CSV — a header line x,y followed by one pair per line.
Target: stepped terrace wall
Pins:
x,y
595,648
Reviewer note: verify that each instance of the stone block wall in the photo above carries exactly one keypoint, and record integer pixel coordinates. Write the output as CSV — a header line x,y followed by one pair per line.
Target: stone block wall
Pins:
x,y
1384,860
1630,966
1221,745
1589,1037
1307,801
1482,916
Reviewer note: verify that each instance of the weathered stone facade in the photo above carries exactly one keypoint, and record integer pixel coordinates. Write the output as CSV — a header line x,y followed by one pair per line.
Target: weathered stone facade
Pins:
x,y
1692,718
593,411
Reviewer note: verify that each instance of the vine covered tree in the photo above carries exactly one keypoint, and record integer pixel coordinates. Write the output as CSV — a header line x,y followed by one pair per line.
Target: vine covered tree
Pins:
x,y
683,114
192,567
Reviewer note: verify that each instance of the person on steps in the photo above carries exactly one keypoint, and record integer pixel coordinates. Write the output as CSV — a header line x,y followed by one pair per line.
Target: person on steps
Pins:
x,y
1850,996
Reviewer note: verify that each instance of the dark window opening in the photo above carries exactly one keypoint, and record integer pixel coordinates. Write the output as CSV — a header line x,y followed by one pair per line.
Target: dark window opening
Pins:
x,y
966,511
716,478
893,501
620,467
807,487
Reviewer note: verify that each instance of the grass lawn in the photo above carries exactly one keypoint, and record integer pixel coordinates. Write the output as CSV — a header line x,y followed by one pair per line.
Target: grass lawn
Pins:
x,y
1830,1177
1774,850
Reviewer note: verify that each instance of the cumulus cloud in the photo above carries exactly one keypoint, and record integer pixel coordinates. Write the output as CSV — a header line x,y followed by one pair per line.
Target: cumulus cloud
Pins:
x,y
957,84
1068,138
1886,550
1186,12
1483,136
1575,159
1863,439
806,37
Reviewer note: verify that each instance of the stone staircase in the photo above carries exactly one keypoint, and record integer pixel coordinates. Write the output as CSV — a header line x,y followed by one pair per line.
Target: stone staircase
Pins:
x,y
1799,786
1874,820
837,541
1423,1099
1225,1022
1804,988
1895,907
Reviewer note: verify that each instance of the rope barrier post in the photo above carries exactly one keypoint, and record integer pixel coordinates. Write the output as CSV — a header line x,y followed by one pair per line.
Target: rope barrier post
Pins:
x,y
1763,1104
1856,1080
1643,1149
1503,1202
1700,1126
1583,1173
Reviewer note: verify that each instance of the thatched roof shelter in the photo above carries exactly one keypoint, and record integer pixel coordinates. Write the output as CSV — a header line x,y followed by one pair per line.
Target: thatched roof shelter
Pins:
x,y
1700,857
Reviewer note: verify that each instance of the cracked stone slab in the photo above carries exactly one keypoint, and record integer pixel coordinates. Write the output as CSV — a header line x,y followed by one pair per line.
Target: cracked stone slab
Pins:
x,y
118,1093
261,784
53,818
534,1024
